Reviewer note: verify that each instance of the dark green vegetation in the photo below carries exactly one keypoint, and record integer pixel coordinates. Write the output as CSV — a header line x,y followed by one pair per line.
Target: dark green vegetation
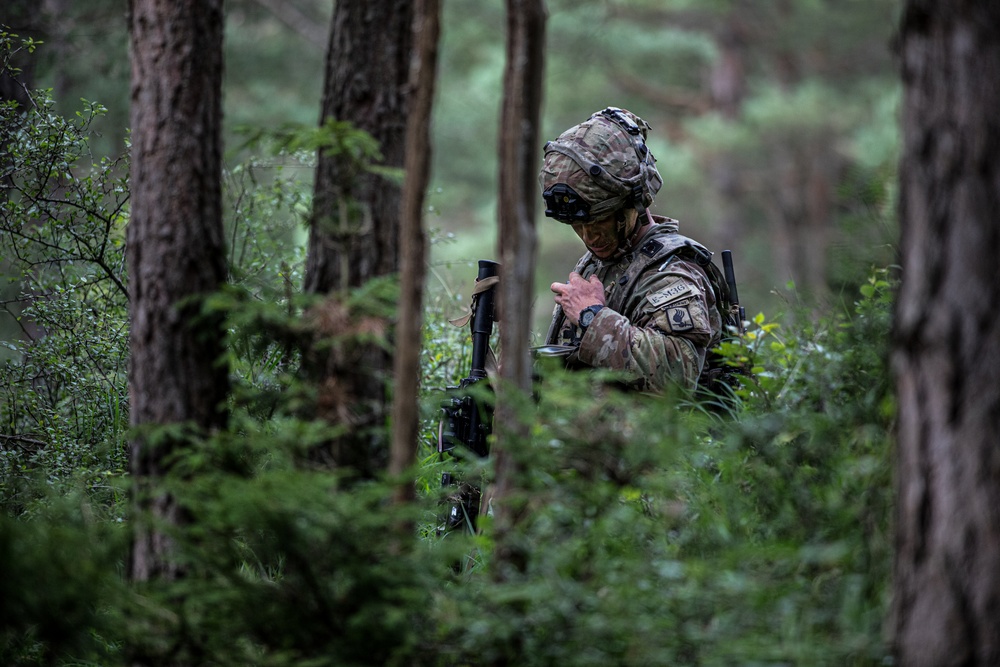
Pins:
x,y
653,535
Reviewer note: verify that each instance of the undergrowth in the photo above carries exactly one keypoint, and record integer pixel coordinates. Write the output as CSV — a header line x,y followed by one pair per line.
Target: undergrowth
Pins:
x,y
656,531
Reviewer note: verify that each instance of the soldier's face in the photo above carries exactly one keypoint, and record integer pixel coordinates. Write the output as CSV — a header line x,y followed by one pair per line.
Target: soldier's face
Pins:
x,y
600,236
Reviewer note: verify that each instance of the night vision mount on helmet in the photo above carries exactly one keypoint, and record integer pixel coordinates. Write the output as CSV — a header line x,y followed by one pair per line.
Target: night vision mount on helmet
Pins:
x,y
599,167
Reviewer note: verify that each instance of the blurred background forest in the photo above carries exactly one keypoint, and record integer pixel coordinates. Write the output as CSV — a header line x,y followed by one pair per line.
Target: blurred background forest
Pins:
x,y
774,121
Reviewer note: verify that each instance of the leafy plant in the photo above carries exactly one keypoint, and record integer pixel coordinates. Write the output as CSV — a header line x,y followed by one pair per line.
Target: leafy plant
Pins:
x,y
62,222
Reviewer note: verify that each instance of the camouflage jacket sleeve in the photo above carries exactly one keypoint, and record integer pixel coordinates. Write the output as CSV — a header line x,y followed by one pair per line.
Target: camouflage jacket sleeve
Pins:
x,y
663,332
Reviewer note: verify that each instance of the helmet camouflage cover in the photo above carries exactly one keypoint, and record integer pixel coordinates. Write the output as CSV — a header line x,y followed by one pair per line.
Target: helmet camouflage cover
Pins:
x,y
598,167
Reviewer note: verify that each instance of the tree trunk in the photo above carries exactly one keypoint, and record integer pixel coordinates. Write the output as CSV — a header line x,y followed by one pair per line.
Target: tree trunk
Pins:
x,y
519,163
412,243
946,346
354,230
367,69
175,249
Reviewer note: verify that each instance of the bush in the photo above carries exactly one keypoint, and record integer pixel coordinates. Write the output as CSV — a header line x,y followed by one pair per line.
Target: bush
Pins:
x,y
64,408
665,537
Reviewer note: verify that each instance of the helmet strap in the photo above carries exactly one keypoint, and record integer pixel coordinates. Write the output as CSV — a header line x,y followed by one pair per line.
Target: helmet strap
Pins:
x,y
625,235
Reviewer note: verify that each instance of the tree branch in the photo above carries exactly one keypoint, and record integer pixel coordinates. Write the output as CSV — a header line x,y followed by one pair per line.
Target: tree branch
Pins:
x,y
289,14
20,438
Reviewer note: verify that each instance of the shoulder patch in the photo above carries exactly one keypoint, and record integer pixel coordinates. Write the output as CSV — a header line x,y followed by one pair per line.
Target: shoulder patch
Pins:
x,y
680,318
650,248
673,292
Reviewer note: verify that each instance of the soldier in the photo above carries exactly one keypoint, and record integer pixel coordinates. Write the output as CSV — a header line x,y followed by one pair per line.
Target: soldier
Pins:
x,y
640,300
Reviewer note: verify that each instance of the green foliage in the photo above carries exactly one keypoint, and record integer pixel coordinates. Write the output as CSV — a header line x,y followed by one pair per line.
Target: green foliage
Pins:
x,y
651,531
356,150
794,501
63,381
60,585
658,536
281,566
64,408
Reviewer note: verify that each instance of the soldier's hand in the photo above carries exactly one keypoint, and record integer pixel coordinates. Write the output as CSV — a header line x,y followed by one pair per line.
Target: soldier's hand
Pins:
x,y
578,294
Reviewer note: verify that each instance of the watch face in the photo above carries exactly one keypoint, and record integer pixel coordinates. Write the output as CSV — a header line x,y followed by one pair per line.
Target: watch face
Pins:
x,y
586,317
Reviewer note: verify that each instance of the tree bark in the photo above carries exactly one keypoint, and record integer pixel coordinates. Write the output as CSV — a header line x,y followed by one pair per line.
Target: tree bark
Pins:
x,y
412,243
354,230
519,163
946,345
367,69
175,250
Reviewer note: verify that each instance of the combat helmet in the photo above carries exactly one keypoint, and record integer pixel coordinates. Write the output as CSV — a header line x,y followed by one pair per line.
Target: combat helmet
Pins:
x,y
599,167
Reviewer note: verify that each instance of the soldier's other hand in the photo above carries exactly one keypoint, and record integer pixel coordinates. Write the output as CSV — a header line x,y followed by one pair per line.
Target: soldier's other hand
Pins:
x,y
577,294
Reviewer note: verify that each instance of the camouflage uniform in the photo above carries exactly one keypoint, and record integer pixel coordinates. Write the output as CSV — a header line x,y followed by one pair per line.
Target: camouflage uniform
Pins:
x,y
660,317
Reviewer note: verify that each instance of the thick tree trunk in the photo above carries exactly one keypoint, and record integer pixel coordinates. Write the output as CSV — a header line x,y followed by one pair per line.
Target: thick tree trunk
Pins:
x,y
412,243
175,250
519,164
355,224
727,81
947,338
354,232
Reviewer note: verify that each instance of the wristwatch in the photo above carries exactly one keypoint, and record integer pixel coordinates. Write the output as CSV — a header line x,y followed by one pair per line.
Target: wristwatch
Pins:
x,y
588,314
